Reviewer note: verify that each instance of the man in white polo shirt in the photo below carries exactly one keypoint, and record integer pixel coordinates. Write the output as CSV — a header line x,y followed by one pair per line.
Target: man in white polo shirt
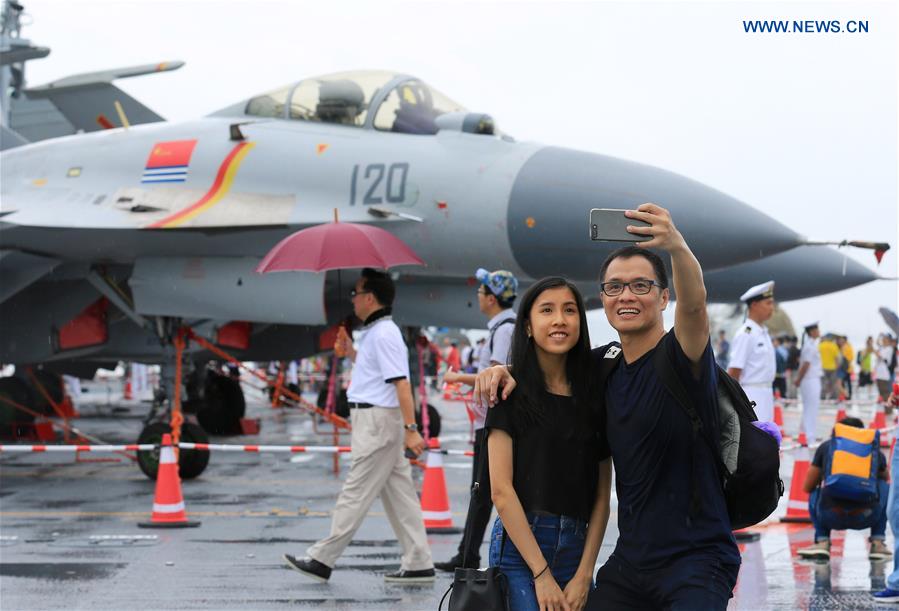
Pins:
x,y
383,420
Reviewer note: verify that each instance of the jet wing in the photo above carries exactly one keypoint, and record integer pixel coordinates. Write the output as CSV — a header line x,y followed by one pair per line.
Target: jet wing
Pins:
x,y
10,139
88,101
19,270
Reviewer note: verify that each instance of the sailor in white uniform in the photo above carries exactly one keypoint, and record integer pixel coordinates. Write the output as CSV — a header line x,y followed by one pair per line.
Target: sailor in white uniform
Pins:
x,y
752,361
808,379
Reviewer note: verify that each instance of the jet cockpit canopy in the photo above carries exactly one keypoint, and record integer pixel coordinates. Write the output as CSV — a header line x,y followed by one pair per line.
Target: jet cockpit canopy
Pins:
x,y
377,99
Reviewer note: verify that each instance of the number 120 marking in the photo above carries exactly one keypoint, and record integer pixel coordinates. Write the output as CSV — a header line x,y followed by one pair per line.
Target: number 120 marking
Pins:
x,y
376,189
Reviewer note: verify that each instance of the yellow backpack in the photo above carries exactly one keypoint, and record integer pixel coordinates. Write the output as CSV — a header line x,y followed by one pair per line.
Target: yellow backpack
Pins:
x,y
850,467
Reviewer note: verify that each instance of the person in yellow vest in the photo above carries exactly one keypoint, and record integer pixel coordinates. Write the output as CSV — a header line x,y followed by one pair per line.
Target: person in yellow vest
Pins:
x,y
845,364
867,356
830,356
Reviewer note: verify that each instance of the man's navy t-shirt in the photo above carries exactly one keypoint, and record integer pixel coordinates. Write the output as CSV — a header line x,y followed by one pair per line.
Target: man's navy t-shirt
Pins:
x,y
650,436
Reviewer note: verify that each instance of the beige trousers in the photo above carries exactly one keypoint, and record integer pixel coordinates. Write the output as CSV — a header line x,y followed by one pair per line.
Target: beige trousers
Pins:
x,y
378,468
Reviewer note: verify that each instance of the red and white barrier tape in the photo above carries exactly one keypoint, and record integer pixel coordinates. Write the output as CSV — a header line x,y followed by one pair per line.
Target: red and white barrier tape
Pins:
x,y
221,447
218,447
788,447
79,448
830,402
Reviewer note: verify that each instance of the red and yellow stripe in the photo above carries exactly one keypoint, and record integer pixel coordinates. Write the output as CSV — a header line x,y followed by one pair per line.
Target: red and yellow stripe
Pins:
x,y
220,187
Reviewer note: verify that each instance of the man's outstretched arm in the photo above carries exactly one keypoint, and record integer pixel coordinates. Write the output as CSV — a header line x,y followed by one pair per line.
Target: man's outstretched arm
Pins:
x,y
691,321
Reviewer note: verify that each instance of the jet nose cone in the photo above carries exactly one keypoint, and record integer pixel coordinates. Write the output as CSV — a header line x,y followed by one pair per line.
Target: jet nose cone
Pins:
x,y
551,198
807,271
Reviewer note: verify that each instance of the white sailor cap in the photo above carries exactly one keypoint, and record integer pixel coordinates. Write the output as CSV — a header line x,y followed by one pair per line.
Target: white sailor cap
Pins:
x,y
811,325
759,291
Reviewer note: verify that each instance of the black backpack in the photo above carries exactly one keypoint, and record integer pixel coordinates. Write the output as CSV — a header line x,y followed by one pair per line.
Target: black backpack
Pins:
x,y
748,458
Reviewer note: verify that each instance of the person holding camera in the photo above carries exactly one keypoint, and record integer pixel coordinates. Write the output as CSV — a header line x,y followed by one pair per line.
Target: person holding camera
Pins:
x,y
670,553
383,418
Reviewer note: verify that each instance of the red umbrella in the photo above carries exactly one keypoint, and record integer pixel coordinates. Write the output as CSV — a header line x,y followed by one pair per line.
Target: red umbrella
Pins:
x,y
338,246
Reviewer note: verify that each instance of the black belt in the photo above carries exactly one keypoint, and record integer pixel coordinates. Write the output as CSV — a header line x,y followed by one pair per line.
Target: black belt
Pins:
x,y
360,405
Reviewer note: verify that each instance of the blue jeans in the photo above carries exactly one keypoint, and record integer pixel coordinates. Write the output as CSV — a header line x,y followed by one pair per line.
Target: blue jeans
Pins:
x,y
826,519
893,515
561,539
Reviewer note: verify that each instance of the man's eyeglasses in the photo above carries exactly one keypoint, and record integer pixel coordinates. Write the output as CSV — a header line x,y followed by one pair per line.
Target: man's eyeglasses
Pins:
x,y
354,292
638,287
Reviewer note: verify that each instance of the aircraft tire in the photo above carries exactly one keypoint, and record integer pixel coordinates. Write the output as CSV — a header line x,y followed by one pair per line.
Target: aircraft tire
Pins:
x,y
17,390
224,406
52,384
191,463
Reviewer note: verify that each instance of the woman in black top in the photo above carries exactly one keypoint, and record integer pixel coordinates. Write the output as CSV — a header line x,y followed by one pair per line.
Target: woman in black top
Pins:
x,y
550,471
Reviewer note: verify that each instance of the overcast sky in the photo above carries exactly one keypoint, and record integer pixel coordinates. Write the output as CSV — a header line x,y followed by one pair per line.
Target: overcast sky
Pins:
x,y
801,126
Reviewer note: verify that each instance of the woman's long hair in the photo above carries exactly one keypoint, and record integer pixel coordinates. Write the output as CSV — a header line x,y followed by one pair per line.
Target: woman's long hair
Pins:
x,y
531,388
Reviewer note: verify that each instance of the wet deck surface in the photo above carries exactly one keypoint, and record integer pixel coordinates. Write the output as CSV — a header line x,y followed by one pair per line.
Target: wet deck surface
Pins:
x,y
69,537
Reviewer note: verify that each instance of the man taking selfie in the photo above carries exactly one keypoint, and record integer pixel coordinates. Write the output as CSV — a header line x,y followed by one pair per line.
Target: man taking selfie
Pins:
x,y
671,553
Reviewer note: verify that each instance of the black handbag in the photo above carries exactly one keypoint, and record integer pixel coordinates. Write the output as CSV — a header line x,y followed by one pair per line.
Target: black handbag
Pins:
x,y
478,589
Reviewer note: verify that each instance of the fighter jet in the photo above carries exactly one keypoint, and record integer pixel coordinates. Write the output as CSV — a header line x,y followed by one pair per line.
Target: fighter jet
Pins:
x,y
116,234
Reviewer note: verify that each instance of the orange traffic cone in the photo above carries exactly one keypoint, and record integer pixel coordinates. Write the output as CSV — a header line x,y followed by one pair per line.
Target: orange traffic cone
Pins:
x,y
802,440
880,422
168,505
886,438
797,505
435,506
880,416
778,412
127,394
841,413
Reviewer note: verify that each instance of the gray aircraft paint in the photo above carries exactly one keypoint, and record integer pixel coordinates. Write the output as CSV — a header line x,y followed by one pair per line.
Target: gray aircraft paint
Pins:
x,y
558,187
226,288
484,201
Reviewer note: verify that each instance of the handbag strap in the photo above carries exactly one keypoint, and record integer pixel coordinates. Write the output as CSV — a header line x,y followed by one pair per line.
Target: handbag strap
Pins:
x,y
475,493
445,594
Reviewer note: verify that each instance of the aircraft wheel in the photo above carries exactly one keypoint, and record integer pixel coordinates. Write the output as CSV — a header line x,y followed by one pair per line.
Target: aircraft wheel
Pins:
x,y
52,384
191,463
17,390
225,405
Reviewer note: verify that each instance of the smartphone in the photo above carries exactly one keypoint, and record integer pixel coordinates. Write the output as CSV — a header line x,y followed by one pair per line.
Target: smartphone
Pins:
x,y
610,225
409,454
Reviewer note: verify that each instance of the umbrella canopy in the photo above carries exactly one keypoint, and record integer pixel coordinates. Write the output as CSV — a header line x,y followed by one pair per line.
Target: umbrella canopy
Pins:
x,y
338,246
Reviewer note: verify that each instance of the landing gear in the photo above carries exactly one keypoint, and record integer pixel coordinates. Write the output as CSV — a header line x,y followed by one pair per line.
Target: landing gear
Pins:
x,y
191,463
13,422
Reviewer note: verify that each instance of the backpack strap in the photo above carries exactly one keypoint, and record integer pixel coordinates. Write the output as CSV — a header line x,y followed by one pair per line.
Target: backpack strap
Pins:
x,y
611,357
665,370
504,321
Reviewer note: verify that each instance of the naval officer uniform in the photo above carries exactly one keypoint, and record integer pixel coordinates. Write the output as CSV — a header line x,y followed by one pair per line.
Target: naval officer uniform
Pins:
x,y
810,384
752,352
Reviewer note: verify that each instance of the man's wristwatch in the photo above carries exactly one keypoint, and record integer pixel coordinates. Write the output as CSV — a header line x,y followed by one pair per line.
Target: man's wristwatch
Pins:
x,y
411,427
